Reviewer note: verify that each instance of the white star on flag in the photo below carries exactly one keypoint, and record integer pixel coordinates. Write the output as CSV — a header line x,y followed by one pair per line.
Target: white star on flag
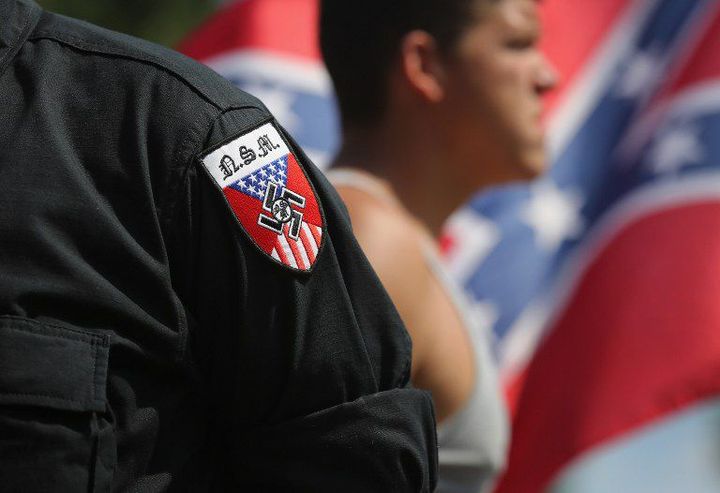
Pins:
x,y
553,214
639,75
675,149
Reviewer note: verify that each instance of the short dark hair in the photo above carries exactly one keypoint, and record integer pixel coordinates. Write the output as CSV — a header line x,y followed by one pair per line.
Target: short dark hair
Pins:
x,y
360,39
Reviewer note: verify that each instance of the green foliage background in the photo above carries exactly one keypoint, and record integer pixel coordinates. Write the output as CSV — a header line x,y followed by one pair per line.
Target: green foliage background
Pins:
x,y
161,21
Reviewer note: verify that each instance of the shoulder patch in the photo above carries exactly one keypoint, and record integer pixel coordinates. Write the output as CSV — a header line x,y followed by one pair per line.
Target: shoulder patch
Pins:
x,y
270,195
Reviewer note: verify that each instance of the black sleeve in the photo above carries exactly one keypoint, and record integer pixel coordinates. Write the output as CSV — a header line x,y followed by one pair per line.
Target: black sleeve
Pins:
x,y
308,372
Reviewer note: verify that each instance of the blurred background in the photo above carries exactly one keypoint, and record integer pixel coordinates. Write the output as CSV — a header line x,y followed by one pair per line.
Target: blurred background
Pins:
x,y
599,282
162,21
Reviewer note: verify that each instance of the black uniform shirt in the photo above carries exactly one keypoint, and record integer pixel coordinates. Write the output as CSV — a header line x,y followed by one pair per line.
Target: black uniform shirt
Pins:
x,y
146,343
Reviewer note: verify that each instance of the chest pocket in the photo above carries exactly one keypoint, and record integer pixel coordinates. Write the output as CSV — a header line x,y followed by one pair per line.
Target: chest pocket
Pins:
x,y
55,431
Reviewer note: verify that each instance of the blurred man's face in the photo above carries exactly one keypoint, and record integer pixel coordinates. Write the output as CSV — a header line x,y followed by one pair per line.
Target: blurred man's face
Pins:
x,y
495,79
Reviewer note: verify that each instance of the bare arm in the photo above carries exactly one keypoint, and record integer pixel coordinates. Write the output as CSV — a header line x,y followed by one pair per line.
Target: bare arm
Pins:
x,y
442,354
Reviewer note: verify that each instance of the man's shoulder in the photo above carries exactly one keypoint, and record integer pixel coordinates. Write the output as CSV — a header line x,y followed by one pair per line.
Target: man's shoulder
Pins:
x,y
144,56
390,236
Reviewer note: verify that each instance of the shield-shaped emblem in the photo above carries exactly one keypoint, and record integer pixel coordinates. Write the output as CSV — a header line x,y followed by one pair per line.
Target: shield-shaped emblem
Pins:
x,y
270,195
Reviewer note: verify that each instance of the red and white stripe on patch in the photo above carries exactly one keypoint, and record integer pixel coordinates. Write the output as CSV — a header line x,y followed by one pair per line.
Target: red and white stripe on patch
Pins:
x,y
299,254
270,195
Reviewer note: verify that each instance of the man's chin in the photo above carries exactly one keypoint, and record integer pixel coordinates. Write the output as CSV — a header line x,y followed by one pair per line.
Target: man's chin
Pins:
x,y
532,164
519,168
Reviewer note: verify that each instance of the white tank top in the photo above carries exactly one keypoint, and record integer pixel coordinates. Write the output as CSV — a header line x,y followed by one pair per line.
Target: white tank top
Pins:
x,y
472,442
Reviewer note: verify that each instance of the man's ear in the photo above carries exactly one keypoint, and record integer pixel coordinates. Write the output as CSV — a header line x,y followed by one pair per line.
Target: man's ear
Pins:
x,y
421,65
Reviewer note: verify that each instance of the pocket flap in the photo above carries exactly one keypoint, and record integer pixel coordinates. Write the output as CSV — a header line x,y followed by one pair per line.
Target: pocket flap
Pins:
x,y
381,442
52,366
